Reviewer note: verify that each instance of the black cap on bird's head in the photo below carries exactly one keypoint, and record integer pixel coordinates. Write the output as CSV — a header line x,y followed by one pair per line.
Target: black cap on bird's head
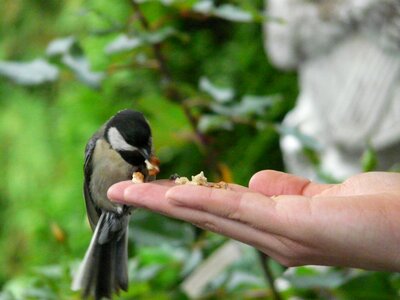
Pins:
x,y
129,134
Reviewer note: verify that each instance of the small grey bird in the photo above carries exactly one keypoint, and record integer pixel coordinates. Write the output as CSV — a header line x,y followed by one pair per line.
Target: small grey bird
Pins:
x,y
121,147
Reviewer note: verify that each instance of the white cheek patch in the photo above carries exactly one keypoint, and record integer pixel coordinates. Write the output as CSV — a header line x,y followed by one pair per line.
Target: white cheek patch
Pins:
x,y
117,141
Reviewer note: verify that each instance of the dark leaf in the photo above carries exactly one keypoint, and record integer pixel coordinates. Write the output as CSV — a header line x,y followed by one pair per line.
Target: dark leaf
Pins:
x,y
369,286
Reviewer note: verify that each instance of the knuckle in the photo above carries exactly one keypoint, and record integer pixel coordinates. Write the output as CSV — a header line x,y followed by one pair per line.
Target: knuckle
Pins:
x,y
237,210
208,223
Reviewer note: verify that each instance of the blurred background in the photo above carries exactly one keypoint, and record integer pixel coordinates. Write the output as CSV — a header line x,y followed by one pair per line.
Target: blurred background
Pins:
x,y
199,72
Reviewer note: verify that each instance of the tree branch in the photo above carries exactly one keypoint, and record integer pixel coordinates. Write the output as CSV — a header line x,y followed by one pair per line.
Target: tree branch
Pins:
x,y
172,93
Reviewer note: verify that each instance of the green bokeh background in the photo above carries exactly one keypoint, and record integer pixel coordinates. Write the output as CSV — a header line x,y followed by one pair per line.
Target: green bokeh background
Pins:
x,y
44,129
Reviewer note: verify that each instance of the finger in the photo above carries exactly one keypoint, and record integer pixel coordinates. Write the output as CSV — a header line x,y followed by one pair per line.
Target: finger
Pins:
x,y
152,196
269,182
249,208
148,195
116,191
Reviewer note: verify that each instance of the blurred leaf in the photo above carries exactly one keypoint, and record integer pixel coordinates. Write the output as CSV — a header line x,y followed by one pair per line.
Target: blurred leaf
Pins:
x,y
233,13
51,271
5,295
249,106
71,54
61,46
159,36
148,272
165,261
203,6
369,286
40,293
254,105
243,280
191,262
79,64
209,123
312,277
369,159
125,43
28,288
219,94
35,72
228,11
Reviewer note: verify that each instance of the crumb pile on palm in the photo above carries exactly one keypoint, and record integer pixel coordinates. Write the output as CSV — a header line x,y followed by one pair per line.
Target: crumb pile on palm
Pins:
x,y
200,179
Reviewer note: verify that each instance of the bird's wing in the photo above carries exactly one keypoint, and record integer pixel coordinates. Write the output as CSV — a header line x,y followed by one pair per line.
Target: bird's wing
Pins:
x,y
92,213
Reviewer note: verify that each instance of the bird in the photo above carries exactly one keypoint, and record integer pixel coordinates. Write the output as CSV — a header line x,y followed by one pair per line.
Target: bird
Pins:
x,y
121,147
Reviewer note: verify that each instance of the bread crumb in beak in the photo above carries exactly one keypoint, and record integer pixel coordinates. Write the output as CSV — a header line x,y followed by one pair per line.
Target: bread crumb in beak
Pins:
x,y
152,165
137,177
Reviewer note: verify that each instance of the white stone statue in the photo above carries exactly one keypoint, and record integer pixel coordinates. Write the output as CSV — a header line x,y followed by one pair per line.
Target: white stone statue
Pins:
x,y
347,53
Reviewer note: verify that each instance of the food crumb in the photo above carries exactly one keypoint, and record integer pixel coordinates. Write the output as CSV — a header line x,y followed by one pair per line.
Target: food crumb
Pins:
x,y
200,179
152,165
137,177
182,180
219,185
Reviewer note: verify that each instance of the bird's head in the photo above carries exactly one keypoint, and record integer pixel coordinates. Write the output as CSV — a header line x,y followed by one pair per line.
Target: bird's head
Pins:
x,y
129,134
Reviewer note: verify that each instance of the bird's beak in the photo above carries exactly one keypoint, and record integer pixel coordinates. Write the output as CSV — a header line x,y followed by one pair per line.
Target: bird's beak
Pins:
x,y
144,153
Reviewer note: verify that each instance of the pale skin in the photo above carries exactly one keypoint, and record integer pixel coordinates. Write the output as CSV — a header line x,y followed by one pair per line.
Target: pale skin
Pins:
x,y
295,221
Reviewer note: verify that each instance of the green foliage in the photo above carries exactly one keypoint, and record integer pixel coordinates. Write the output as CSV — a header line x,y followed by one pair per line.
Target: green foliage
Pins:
x,y
369,159
198,71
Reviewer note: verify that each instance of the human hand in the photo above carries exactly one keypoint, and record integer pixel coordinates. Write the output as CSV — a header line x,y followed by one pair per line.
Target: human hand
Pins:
x,y
295,221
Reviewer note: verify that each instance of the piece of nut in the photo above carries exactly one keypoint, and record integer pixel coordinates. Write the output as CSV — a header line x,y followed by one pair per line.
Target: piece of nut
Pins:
x,y
219,185
182,180
199,179
152,165
137,177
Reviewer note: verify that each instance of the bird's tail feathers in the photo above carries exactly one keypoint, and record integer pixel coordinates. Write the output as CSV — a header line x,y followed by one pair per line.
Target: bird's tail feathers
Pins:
x,y
103,270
